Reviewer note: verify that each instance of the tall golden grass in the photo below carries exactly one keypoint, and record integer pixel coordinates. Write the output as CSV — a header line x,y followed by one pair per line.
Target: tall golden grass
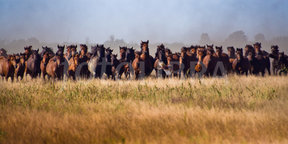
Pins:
x,y
211,110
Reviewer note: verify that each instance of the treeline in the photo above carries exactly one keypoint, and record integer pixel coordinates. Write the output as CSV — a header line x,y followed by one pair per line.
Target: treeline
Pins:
x,y
236,39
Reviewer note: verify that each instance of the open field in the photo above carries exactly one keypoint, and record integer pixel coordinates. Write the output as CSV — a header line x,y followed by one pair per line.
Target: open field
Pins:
x,y
213,110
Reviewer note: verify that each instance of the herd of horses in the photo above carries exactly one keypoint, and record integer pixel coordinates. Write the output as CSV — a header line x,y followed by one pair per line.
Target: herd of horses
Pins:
x,y
191,61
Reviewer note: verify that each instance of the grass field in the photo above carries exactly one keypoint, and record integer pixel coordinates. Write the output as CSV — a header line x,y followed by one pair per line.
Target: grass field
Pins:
x,y
215,110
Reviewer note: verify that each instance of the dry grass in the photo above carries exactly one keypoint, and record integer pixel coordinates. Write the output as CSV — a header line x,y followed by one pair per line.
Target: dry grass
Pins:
x,y
226,110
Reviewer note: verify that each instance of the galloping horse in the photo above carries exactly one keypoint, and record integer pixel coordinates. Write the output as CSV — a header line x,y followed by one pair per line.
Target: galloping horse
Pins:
x,y
241,64
33,64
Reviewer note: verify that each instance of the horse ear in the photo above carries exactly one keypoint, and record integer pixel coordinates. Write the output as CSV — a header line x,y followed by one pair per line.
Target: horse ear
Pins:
x,y
132,48
43,47
147,41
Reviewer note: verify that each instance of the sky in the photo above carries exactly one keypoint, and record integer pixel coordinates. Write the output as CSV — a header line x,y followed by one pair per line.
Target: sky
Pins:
x,y
136,20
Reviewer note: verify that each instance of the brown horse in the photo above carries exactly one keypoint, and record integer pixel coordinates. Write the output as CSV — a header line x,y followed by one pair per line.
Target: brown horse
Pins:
x,y
7,67
210,61
222,58
260,63
44,62
146,58
73,64
173,63
46,54
33,64
232,57
241,64
188,55
20,66
56,66
136,65
200,54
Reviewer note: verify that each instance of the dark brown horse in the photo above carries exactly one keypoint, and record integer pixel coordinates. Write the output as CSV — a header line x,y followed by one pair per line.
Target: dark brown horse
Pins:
x,y
232,57
223,58
20,66
241,64
210,61
146,57
7,67
33,64
188,55
260,63
114,63
275,56
83,62
160,64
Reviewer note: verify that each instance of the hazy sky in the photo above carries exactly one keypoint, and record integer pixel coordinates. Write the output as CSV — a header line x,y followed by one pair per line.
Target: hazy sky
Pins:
x,y
135,20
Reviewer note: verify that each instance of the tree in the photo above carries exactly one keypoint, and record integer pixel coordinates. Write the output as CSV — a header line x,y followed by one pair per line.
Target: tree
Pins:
x,y
237,38
205,39
260,38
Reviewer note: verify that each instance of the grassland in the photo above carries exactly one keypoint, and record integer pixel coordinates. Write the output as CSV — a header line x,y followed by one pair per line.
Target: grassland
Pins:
x,y
215,110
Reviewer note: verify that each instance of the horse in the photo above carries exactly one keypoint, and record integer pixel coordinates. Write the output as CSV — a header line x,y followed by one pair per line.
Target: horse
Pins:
x,y
114,63
275,56
73,64
187,56
231,56
83,61
200,54
7,67
146,58
3,52
96,61
173,64
241,64
222,58
46,54
27,52
33,64
127,55
20,66
56,66
260,63
130,56
136,65
160,64
108,59
210,61
283,63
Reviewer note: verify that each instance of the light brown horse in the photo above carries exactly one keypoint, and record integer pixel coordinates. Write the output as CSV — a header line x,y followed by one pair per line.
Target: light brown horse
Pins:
x,y
201,53
44,62
136,64
7,67
73,64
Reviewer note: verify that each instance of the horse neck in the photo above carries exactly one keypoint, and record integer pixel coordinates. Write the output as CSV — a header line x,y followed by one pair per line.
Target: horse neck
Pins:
x,y
232,55
200,58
